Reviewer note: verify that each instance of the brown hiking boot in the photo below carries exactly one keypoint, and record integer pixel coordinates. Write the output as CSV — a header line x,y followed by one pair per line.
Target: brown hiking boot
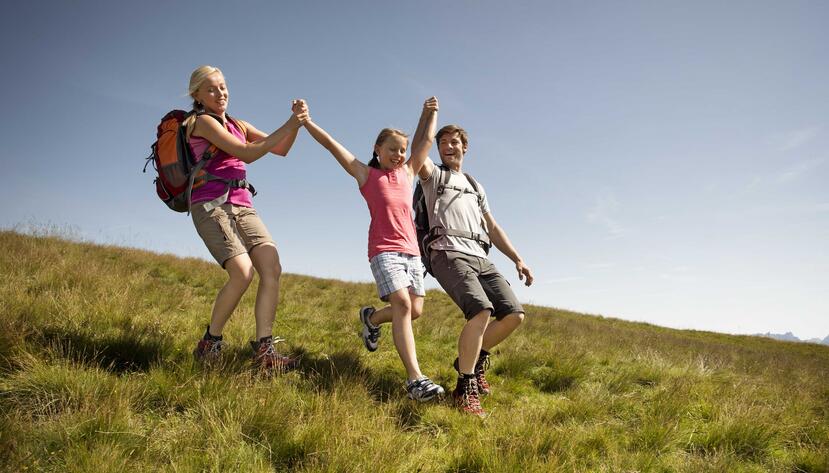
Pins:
x,y
209,348
208,351
266,358
480,373
466,396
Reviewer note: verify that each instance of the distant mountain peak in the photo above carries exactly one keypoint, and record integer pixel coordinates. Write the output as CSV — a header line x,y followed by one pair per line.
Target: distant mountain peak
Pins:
x,y
790,337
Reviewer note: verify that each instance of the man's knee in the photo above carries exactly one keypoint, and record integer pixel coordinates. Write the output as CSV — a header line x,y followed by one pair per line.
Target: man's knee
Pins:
x,y
517,317
480,319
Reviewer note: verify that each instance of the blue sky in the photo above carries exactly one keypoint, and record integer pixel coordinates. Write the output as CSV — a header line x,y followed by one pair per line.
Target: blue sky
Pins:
x,y
656,161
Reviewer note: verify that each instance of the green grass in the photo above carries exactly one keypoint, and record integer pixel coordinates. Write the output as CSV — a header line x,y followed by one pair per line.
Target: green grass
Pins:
x,y
96,375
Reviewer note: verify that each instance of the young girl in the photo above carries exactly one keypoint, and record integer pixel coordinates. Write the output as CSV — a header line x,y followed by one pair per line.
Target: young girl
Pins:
x,y
225,218
386,184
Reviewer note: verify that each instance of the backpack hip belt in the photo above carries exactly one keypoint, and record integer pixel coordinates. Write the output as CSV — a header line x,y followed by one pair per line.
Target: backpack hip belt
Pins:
x,y
481,238
230,184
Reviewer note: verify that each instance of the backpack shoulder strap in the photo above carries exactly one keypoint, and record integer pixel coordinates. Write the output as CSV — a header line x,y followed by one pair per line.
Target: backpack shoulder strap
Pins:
x,y
472,182
240,125
217,117
443,178
477,188
200,113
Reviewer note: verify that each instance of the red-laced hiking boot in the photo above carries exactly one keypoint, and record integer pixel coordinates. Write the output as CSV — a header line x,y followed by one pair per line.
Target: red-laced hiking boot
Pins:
x,y
480,373
466,396
208,351
209,348
266,358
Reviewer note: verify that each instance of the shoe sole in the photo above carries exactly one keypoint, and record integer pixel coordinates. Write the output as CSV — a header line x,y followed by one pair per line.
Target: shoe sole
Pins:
x,y
365,333
367,342
438,393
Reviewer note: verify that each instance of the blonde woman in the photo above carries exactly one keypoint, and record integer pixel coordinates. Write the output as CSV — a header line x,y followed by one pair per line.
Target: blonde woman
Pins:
x,y
223,213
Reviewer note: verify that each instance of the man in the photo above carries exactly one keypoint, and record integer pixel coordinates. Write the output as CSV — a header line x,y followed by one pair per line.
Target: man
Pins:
x,y
460,226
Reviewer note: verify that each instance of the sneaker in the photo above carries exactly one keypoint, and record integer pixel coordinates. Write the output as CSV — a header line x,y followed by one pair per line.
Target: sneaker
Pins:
x,y
266,358
480,373
208,351
370,333
466,397
423,389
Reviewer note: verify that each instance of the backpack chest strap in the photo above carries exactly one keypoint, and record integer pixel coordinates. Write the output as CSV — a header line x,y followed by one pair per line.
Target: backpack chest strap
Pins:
x,y
445,174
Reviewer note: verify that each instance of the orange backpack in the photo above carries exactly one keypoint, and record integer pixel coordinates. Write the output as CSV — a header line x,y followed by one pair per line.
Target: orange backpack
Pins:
x,y
179,171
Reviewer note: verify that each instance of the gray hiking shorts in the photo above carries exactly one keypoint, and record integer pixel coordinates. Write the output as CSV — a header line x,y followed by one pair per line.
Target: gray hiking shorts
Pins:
x,y
474,284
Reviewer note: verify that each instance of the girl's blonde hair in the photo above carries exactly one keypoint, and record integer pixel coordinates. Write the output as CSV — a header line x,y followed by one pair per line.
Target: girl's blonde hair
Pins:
x,y
197,78
384,133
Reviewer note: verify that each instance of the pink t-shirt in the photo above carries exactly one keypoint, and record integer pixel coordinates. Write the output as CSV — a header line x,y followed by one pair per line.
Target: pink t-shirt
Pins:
x,y
389,198
222,165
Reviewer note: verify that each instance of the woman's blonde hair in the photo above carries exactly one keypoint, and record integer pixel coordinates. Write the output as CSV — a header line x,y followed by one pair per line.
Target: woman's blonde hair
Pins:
x,y
381,138
197,78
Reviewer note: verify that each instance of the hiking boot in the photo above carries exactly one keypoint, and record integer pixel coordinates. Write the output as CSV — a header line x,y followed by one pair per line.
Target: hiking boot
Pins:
x,y
266,358
208,351
480,372
209,348
423,389
371,333
466,396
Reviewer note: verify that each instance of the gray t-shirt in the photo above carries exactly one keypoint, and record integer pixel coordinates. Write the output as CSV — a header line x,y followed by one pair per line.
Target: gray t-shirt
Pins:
x,y
456,210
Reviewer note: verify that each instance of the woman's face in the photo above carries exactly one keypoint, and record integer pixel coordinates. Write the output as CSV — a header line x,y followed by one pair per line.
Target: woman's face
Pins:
x,y
392,152
213,94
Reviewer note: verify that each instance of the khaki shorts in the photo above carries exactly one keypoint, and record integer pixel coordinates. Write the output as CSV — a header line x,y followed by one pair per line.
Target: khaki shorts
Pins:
x,y
229,230
474,284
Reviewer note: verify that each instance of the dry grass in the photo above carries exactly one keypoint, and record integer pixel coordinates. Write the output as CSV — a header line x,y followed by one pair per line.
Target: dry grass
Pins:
x,y
96,375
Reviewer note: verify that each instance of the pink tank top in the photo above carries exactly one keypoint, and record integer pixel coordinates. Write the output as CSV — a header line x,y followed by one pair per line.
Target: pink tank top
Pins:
x,y
389,198
225,166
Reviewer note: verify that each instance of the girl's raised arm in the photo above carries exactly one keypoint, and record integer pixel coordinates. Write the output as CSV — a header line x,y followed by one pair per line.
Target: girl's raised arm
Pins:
x,y
352,165
424,136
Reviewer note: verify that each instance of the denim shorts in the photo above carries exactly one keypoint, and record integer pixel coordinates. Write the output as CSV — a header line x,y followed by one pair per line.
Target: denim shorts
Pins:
x,y
394,271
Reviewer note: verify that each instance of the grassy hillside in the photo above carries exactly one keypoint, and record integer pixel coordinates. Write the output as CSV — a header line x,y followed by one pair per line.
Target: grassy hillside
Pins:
x,y
96,375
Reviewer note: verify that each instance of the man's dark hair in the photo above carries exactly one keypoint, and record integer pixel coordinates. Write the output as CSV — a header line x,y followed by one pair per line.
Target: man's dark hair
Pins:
x,y
451,129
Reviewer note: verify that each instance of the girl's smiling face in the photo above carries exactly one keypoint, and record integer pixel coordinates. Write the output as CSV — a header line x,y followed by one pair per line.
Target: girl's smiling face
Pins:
x,y
392,152
213,94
